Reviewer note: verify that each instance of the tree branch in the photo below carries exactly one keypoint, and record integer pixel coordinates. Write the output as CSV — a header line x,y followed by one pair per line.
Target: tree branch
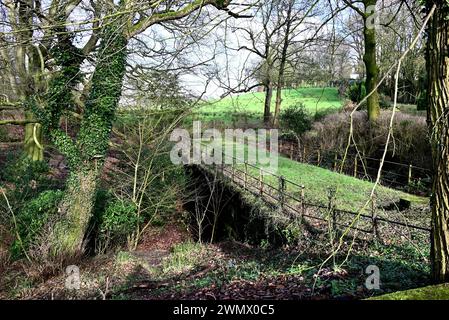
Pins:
x,y
146,22
355,8
17,122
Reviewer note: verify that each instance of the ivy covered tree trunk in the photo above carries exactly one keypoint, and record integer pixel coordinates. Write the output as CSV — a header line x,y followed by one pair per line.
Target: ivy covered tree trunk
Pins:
x,y
86,156
76,207
372,70
86,152
438,119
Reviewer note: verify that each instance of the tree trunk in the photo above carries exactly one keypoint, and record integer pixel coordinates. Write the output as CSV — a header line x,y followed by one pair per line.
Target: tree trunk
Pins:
x,y
277,109
372,70
437,114
267,103
91,147
280,81
68,233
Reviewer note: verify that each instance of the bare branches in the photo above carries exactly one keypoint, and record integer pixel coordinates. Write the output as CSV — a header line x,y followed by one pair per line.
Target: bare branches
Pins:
x,y
355,8
234,90
237,15
169,15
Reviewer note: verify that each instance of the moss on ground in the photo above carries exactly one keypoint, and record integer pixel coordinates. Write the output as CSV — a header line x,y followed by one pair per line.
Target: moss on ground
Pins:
x,y
435,292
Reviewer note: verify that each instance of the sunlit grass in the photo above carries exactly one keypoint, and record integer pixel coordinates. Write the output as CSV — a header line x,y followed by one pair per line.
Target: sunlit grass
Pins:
x,y
252,104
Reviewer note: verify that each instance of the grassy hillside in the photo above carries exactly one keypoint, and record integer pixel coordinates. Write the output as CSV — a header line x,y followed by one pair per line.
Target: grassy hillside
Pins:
x,y
251,104
352,193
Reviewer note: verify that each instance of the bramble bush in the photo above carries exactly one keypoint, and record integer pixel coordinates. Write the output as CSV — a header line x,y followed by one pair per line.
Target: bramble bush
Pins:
x,y
411,144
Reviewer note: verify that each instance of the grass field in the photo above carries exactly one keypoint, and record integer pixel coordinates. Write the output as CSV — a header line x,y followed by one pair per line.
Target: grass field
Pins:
x,y
251,104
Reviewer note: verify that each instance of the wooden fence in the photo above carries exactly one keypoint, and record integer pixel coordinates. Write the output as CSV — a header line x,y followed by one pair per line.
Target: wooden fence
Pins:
x,y
289,197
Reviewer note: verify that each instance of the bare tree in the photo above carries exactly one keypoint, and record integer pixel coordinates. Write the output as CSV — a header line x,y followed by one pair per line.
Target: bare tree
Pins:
x,y
262,39
292,13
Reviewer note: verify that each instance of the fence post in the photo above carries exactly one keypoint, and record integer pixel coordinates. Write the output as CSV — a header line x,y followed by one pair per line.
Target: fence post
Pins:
x,y
409,174
281,192
319,157
335,161
375,229
232,171
246,174
332,219
303,204
260,181
355,166
223,161
331,206
291,151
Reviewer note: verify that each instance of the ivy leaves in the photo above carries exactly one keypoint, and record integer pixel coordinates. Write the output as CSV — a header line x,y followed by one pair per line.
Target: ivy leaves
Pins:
x,y
104,96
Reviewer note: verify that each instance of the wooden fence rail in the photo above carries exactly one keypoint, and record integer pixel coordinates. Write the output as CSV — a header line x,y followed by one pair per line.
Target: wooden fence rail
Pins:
x,y
295,201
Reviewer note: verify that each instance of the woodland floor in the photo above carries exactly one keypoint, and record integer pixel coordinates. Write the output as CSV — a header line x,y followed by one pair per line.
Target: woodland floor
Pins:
x,y
168,265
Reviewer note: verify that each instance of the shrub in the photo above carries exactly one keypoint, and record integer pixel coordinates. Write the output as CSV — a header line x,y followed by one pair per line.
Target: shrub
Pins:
x,y
30,178
411,144
296,119
117,223
322,113
385,101
356,92
147,176
32,218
